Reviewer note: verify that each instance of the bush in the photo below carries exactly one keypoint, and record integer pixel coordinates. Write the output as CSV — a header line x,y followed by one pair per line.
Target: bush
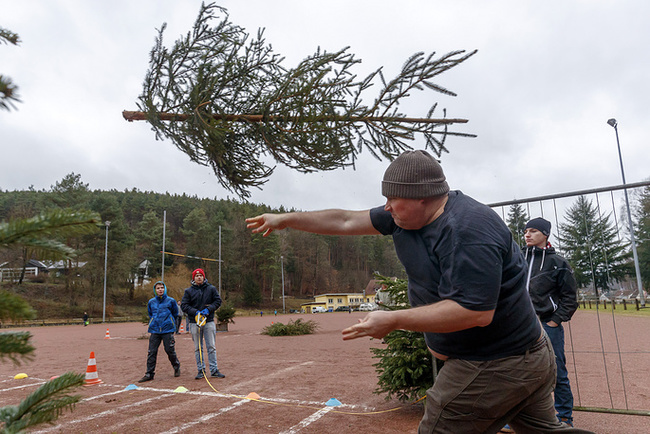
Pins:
x,y
293,328
226,313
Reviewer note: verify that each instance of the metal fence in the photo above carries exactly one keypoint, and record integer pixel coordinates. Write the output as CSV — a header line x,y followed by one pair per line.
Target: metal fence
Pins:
x,y
616,372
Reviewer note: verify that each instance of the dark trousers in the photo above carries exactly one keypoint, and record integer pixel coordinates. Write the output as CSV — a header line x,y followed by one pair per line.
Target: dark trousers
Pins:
x,y
168,343
563,395
482,396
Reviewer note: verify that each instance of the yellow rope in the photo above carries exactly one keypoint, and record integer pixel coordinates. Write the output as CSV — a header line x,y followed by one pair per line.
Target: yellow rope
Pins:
x,y
367,413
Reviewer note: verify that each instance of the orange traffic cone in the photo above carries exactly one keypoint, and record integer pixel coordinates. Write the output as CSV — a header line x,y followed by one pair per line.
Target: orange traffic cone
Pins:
x,y
182,329
91,371
108,335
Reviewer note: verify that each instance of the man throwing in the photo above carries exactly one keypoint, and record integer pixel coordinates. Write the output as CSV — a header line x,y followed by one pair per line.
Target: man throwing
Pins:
x,y
552,289
202,298
467,288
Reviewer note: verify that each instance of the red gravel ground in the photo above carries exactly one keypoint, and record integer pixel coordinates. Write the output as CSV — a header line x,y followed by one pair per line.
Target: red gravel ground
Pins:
x,y
295,378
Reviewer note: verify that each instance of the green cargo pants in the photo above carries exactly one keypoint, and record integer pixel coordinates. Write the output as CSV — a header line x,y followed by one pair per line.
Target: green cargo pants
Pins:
x,y
482,396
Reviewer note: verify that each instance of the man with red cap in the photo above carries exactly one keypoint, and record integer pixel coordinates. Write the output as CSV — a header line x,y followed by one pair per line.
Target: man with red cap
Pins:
x,y
200,301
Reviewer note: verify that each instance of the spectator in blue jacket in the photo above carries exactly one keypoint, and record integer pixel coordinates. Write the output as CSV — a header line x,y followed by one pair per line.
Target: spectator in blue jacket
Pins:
x,y
163,312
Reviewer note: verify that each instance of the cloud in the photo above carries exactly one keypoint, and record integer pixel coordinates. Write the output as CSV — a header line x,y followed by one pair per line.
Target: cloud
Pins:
x,y
538,93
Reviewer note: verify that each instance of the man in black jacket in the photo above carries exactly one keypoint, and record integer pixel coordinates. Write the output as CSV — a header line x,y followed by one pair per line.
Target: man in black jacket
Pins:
x,y
552,289
202,298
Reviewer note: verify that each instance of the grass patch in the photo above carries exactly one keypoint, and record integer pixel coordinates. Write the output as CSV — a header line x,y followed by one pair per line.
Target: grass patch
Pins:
x,y
293,328
629,309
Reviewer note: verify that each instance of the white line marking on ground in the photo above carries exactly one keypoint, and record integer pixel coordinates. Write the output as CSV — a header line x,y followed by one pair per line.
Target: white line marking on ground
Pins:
x,y
316,404
206,417
104,413
190,392
90,398
23,386
284,371
307,421
169,392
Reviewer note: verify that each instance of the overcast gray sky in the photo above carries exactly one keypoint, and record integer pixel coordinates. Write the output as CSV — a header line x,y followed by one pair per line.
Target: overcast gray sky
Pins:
x,y
546,78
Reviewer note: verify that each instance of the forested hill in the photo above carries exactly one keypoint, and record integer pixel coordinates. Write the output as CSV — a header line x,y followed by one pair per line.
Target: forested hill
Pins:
x,y
250,273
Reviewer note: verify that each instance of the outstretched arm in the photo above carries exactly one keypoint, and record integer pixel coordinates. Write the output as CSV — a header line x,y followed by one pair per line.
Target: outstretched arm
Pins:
x,y
327,222
445,316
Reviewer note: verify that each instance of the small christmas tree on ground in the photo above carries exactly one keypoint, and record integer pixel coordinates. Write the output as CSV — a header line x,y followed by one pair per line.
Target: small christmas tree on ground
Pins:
x,y
406,367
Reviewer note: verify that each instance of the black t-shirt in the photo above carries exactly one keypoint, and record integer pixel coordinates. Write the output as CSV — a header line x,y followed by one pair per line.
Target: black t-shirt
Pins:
x,y
467,255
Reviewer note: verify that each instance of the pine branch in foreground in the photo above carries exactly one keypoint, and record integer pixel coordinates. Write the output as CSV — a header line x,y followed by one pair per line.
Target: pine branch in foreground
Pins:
x,y
38,233
16,346
43,405
8,90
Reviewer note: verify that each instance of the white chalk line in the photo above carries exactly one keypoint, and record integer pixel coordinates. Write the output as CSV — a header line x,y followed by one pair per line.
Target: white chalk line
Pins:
x,y
132,338
276,400
153,415
104,395
39,383
24,386
169,392
307,421
104,413
275,374
207,417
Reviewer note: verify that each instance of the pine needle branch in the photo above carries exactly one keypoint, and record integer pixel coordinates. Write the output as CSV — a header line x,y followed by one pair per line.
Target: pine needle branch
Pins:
x,y
13,307
38,233
16,346
43,405
8,90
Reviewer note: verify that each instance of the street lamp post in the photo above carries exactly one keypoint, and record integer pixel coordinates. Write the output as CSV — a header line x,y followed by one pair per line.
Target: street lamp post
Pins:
x,y
612,122
107,223
162,268
282,269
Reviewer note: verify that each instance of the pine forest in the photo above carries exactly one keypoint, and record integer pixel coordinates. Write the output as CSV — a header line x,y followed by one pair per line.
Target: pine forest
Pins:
x,y
251,275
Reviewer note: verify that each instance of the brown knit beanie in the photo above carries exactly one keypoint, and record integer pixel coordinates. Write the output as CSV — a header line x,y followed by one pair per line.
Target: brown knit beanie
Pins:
x,y
414,175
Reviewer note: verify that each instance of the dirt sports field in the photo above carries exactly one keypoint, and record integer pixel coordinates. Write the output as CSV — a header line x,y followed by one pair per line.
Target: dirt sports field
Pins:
x,y
295,378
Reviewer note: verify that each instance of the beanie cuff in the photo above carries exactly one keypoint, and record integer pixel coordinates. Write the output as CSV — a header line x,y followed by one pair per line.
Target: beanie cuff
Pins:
x,y
542,225
415,190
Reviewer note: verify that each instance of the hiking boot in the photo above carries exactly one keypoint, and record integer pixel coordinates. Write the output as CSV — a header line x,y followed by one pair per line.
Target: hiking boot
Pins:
x,y
147,377
218,374
199,376
177,371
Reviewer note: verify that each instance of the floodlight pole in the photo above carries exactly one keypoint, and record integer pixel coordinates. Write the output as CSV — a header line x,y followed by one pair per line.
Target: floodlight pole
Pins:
x,y
107,223
612,122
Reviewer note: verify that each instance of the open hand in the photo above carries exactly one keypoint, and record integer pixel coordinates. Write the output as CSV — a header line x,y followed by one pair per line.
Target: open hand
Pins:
x,y
265,223
376,324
